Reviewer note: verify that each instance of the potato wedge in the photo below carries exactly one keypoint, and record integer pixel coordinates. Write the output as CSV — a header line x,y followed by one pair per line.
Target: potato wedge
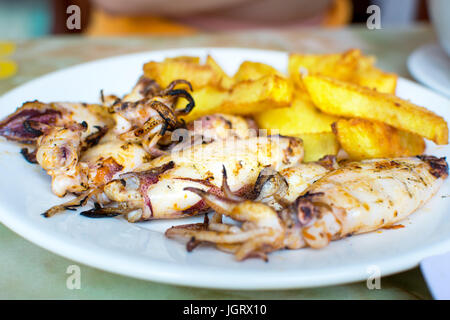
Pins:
x,y
207,101
301,117
250,97
198,75
369,76
249,70
189,59
245,98
318,145
366,139
338,65
351,66
376,79
349,100
226,82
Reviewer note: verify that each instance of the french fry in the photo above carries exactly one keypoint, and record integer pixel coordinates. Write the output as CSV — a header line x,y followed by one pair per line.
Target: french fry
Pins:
x,y
376,79
249,70
318,145
349,100
189,59
198,75
225,82
338,65
369,76
250,97
245,98
207,101
366,139
351,66
301,117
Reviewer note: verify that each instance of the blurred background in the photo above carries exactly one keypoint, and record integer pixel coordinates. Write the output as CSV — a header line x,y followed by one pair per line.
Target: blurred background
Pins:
x,y
23,19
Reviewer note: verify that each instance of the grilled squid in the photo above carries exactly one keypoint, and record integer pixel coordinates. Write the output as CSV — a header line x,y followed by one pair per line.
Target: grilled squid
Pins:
x,y
111,158
157,190
58,152
23,125
211,128
280,188
78,145
147,114
355,198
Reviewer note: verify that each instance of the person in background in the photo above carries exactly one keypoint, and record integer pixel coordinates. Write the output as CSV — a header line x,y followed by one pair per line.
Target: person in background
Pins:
x,y
181,17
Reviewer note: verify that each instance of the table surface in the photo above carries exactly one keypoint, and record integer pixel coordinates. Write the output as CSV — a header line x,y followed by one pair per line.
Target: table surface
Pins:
x,y
30,272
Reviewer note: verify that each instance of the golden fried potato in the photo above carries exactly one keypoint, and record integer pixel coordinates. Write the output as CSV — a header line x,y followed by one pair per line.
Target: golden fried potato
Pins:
x,y
369,76
366,139
338,65
250,97
301,117
249,70
198,75
318,145
189,59
207,101
351,66
376,79
226,82
246,97
349,100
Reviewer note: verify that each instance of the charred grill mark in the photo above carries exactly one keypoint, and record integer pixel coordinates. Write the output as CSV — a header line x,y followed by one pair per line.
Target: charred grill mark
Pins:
x,y
125,105
387,164
305,209
116,101
28,127
184,94
94,138
438,166
29,156
149,87
329,162
100,212
192,244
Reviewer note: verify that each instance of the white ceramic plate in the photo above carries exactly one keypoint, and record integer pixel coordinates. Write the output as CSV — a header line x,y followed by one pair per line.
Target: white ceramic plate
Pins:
x,y
140,250
430,65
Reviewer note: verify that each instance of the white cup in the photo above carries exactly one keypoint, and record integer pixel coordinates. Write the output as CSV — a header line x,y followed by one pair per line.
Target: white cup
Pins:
x,y
440,16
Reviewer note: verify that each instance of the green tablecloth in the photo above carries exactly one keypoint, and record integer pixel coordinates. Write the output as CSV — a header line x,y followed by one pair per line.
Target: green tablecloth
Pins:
x,y
30,272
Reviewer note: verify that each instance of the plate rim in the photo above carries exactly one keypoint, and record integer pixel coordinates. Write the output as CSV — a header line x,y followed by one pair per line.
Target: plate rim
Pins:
x,y
197,278
417,72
